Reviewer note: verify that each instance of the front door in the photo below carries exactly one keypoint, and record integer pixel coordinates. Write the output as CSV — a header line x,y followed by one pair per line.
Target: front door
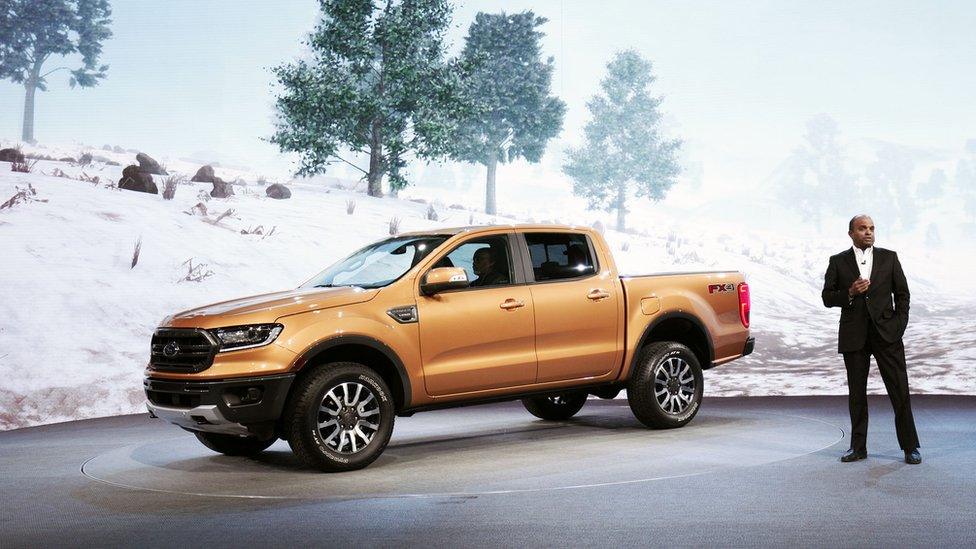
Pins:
x,y
481,337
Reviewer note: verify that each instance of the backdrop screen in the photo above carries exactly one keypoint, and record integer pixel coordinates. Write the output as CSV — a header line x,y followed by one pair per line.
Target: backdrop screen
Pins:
x,y
160,156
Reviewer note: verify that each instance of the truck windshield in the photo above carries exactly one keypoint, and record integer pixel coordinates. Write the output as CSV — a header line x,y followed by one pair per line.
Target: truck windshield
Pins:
x,y
378,264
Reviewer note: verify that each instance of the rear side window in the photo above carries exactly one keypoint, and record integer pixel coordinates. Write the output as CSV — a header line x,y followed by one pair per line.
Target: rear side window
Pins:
x,y
557,256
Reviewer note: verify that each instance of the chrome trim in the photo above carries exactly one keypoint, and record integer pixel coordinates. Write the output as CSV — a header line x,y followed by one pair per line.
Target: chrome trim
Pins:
x,y
406,314
271,337
183,417
158,361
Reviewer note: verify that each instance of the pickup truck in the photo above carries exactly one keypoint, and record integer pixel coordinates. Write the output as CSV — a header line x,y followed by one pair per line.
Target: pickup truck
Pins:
x,y
444,318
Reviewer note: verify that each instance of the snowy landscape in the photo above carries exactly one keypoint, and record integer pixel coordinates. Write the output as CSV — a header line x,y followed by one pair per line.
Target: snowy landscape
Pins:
x,y
76,315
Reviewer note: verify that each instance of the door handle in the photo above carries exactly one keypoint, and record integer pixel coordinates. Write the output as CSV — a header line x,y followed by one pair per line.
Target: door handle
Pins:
x,y
597,294
512,304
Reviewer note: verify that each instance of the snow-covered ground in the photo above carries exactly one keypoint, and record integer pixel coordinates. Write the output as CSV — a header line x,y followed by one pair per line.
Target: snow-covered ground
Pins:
x,y
75,318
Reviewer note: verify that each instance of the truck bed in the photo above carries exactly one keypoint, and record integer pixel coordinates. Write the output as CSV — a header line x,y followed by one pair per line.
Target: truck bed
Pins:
x,y
709,296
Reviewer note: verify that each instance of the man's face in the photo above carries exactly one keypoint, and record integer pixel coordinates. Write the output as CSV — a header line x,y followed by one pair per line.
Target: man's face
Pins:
x,y
863,233
482,262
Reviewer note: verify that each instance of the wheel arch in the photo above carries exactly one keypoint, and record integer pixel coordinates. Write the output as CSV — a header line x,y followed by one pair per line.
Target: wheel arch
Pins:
x,y
365,350
679,327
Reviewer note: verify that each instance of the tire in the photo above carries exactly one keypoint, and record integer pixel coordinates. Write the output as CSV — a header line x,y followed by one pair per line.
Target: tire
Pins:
x,y
555,407
672,368
339,417
232,445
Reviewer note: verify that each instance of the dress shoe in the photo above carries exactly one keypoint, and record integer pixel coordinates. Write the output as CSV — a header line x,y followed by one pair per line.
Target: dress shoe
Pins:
x,y
913,457
854,455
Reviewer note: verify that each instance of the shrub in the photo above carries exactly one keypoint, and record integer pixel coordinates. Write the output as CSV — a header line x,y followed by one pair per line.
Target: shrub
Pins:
x,y
169,187
22,195
431,213
89,178
24,166
350,206
195,273
395,226
135,253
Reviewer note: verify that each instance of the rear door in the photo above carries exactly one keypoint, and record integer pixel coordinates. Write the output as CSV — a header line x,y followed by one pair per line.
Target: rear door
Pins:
x,y
576,305
481,337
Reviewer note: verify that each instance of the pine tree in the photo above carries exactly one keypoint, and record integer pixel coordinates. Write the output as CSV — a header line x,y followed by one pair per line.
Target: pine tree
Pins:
x,y
377,84
965,180
623,149
815,177
508,83
32,31
889,178
934,187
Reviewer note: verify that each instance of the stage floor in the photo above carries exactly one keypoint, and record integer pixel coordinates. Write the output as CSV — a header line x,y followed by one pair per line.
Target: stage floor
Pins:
x,y
746,471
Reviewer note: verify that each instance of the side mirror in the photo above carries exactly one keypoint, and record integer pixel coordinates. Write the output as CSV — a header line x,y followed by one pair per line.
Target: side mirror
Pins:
x,y
443,278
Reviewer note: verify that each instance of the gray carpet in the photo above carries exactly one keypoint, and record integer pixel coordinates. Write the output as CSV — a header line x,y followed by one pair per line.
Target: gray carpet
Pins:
x,y
745,472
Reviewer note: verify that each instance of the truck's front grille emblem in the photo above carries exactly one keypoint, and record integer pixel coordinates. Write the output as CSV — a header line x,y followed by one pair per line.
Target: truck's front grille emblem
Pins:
x,y
182,350
171,349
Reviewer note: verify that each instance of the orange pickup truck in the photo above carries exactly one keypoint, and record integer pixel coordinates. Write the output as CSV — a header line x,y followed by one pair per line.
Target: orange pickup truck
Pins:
x,y
437,319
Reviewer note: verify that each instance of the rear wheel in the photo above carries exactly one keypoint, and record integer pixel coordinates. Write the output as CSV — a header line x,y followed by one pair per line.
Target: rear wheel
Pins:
x,y
340,417
232,445
665,388
555,407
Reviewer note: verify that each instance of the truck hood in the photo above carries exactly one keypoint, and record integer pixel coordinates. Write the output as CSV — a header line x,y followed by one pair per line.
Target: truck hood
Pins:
x,y
266,308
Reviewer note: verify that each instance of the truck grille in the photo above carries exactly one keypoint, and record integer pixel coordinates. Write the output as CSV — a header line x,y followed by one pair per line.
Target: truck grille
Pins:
x,y
185,350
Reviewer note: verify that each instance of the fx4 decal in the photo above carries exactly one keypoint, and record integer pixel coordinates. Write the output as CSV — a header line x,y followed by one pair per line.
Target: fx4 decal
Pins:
x,y
720,288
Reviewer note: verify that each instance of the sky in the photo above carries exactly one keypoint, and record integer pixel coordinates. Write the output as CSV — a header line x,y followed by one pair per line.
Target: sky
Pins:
x,y
739,79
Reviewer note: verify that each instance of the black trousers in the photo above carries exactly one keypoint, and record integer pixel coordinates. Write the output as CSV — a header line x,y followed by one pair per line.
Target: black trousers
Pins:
x,y
891,361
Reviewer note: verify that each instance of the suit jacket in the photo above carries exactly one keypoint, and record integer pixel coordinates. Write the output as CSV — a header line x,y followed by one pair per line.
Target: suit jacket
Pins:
x,y
885,304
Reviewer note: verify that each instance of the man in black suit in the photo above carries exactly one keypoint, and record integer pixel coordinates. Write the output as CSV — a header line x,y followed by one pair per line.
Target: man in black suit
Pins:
x,y
862,281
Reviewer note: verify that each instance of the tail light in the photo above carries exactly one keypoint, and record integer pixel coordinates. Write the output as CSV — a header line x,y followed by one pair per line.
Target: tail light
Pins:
x,y
745,304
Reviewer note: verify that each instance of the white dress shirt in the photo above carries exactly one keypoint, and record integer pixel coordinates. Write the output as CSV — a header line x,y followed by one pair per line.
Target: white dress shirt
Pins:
x,y
865,261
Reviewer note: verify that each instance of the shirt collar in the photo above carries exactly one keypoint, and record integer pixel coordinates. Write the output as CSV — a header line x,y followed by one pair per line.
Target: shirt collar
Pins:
x,y
868,252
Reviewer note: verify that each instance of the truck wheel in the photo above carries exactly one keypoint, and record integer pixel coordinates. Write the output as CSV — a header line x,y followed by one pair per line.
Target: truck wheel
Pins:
x,y
339,417
665,388
555,407
232,445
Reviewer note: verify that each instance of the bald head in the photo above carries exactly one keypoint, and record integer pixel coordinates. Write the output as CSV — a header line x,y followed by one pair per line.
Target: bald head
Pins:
x,y
854,220
861,231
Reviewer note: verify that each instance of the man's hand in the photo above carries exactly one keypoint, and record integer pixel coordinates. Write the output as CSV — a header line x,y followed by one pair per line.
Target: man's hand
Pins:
x,y
860,286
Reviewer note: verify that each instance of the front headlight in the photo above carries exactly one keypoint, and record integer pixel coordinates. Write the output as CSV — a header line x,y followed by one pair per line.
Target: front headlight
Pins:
x,y
235,338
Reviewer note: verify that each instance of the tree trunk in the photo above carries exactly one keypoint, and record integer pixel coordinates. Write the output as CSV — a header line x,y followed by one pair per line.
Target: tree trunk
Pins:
x,y
490,183
30,87
621,204
375,175
28,134
621,207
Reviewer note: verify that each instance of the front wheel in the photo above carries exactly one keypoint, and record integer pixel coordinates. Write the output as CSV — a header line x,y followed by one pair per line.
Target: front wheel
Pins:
x,y
665,388
232,445
339,417
555,407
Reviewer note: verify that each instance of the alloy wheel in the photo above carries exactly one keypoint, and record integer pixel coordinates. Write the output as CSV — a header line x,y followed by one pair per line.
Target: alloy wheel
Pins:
x,y
349,417
674,385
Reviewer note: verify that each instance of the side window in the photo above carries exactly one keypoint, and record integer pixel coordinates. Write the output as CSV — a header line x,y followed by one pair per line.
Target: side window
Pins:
x,y
557,256
487,261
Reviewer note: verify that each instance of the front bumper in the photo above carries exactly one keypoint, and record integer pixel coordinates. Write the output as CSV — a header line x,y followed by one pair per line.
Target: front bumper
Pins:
x,y
247,406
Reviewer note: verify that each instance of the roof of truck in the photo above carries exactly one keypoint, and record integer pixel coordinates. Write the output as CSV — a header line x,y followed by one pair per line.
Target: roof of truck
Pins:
x,y
478,228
